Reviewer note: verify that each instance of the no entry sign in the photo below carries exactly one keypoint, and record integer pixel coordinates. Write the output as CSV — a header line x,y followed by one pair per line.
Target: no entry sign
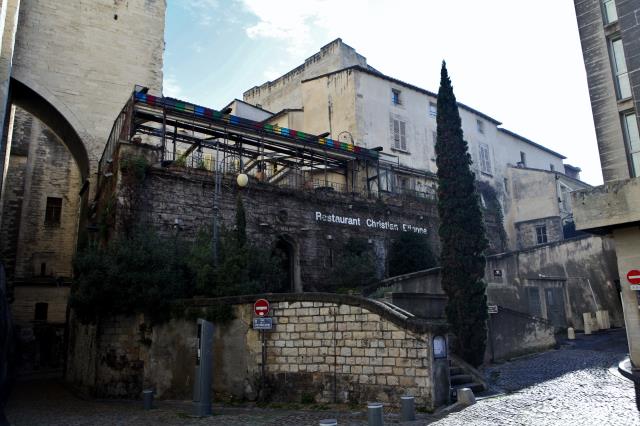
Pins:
x,y
633,276
261,307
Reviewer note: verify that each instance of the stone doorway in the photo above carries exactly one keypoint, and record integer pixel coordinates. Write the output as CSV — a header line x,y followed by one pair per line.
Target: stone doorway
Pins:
x,y
288,251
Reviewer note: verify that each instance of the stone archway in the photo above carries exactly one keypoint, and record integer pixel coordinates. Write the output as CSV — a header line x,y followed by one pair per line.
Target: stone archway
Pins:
x,y
42,107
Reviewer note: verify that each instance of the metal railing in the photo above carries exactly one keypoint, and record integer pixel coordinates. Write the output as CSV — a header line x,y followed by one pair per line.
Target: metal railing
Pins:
x,y
120,131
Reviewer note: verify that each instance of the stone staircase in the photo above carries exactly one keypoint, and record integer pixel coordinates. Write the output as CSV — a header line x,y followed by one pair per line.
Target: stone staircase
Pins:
x,y
463,375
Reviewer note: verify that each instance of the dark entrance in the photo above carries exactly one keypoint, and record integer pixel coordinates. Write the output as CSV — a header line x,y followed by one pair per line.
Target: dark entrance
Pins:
x,y
284,251
555,306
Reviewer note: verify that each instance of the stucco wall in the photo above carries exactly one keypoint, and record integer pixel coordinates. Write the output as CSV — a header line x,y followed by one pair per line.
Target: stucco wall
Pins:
x,y
317,340
285,91
512,334
583,268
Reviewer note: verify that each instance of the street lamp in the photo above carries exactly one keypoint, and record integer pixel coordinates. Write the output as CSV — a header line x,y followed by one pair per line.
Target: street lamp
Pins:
x,y
242,180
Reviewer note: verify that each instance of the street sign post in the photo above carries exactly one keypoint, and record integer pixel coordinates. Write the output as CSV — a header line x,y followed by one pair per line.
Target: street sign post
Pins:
x,y
262,323
261,307
633,276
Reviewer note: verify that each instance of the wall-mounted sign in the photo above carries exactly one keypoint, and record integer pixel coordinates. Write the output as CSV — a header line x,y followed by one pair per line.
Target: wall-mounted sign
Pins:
x,y
497,273
261,307
369,223
492,309
633,276
263,323
439,347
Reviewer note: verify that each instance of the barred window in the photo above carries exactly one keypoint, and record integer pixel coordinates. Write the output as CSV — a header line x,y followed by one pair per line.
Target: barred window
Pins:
x,y
53,211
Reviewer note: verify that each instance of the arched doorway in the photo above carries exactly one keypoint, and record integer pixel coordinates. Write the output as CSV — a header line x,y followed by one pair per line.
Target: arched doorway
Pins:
x,y
31,101
287,250
43,199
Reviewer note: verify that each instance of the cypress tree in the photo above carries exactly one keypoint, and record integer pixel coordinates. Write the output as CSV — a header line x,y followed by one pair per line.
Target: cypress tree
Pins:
x,y
461,231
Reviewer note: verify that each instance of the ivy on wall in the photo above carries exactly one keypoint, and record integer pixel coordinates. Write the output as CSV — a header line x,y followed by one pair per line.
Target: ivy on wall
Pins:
x,y
142,272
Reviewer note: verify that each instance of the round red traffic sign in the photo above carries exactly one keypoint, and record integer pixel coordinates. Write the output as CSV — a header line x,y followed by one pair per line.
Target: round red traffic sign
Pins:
x,y
633,276
261,307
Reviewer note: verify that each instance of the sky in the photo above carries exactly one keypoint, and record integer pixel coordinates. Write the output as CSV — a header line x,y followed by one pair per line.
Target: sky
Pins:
x,y
517,61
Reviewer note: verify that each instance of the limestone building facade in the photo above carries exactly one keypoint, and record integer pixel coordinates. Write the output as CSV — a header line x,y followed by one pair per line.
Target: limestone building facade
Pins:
x,y
335,91
610,36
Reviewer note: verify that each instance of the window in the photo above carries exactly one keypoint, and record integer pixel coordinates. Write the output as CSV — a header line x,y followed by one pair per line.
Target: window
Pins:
x,y
395,97
609,12
552,167
485,159
541,234
620,69
480,126
399,133
630,124
53,211
523,159
433,109
41,311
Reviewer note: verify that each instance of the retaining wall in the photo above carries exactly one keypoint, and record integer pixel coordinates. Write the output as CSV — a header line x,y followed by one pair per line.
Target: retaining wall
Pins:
x,y
328,347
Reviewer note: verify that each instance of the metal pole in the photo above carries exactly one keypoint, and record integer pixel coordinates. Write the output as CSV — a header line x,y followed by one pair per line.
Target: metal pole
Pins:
x,y
204,369
216,190
264,357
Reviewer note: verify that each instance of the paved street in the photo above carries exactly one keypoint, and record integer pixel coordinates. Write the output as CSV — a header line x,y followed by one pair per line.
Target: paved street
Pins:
x,y
571,386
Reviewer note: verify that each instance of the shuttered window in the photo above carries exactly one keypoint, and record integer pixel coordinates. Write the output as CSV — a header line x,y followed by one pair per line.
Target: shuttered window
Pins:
x,y
485,158
398,133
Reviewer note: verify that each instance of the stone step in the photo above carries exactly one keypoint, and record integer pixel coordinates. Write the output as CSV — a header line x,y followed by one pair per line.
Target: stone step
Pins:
x,y
459,379
474,386
454,371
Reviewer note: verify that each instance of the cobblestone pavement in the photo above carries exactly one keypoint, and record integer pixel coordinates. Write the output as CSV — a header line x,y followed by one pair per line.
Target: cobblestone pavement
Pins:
x,y
571,386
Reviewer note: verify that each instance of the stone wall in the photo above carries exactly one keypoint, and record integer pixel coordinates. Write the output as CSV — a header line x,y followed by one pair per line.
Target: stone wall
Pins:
x,y
329,347
606,109
101,49
47,171
181,200
526,233
26,297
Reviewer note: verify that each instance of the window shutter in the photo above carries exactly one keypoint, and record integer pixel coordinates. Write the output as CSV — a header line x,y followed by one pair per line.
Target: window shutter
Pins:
x,y
396,133
403,135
